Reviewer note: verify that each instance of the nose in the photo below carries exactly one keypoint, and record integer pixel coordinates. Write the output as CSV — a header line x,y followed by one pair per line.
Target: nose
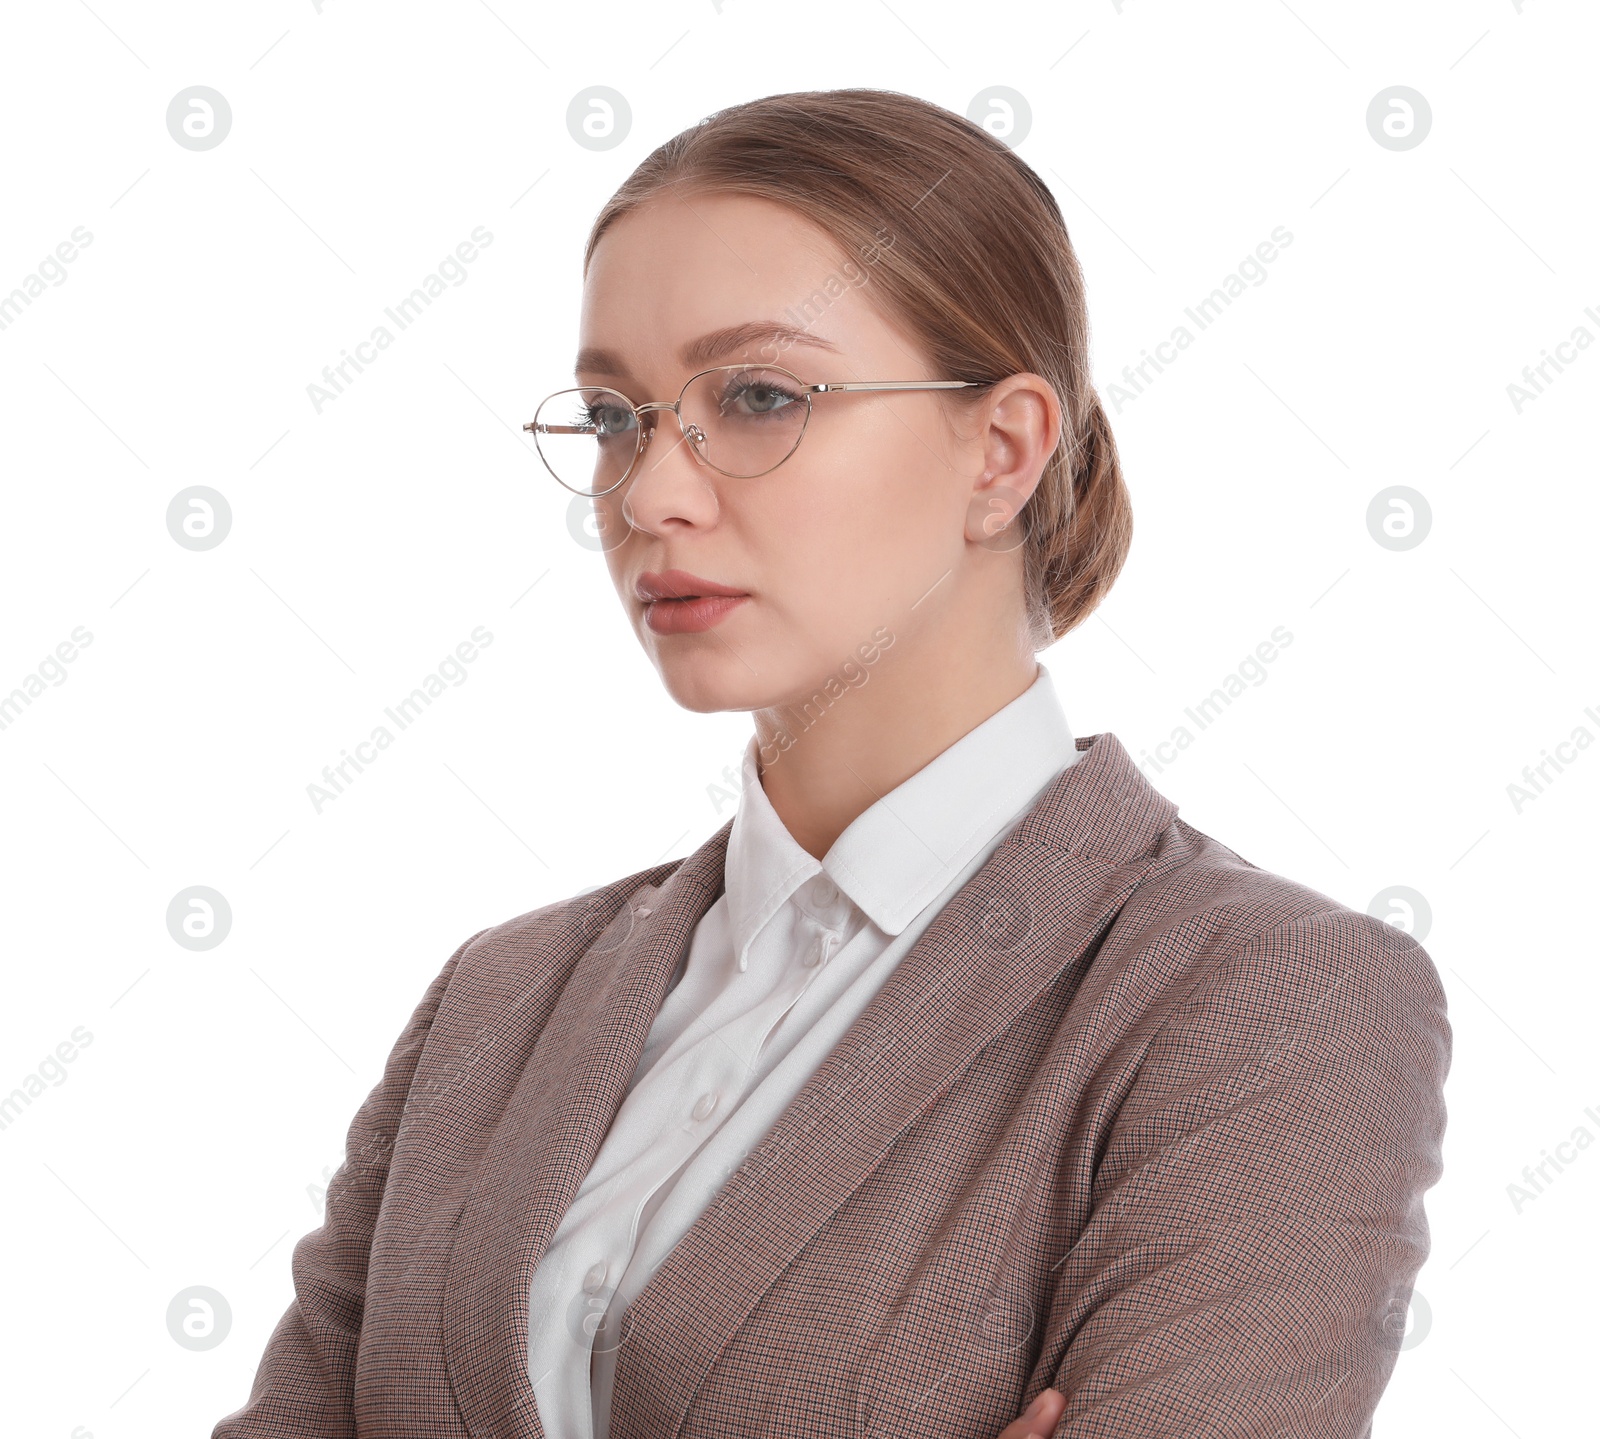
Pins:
x,y
670,486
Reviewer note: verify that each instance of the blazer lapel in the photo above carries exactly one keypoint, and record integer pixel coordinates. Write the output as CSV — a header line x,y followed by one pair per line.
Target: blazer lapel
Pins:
x,y
546,1141
1038,905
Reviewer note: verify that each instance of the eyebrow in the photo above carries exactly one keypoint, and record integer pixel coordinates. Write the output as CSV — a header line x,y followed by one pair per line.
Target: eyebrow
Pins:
x,y
699,353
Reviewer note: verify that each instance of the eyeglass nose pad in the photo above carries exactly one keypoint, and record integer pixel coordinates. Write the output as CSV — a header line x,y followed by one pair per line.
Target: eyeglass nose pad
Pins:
x,y
696,437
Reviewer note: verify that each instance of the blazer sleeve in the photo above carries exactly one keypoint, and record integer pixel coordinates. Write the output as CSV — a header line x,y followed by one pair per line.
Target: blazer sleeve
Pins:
x,y
305,1383
1256,1218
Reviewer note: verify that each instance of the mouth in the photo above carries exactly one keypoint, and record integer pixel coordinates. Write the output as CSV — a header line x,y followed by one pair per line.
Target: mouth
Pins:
x,y
677,602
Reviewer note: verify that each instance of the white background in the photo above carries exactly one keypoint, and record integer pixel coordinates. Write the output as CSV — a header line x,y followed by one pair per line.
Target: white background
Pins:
x,y
185,1143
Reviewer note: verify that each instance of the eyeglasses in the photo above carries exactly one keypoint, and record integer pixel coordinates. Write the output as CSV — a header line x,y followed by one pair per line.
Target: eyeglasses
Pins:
x,y
741,420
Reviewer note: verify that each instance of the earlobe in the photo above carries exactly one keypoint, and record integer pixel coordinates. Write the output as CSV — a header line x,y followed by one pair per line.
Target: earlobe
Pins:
x,y
992,516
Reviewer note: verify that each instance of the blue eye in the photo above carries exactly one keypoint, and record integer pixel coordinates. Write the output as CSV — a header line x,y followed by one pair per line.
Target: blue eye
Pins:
x,y
608,420
752,396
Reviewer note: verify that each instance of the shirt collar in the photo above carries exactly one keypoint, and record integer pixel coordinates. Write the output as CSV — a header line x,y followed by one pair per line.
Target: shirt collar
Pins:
x,y
899,854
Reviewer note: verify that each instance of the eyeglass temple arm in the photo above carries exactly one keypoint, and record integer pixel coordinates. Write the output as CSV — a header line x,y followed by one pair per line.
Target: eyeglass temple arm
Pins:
x,y
831,385
827,387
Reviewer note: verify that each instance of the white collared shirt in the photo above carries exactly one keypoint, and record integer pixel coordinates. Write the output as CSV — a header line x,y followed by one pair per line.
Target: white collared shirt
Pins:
x,y
778,969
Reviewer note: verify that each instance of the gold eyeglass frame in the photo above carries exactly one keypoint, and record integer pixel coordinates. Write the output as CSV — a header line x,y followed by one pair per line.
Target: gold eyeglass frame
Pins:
x,y
644,432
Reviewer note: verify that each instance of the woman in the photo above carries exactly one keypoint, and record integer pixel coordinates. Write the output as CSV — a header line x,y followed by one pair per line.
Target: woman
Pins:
x,y
955,1074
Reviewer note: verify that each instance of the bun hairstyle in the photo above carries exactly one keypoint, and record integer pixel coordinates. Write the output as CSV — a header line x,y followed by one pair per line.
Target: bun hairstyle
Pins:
x,y
963,246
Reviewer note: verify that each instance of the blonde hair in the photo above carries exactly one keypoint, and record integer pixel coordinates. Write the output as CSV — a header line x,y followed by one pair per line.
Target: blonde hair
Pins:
x,y
968,252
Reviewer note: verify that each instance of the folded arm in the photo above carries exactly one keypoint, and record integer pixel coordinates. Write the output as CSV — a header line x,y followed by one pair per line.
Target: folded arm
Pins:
x,y
305,1382
1257,1218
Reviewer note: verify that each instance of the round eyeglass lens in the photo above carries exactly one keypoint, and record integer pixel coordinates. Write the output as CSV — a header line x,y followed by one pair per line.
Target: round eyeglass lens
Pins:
x,y
745,419
587,437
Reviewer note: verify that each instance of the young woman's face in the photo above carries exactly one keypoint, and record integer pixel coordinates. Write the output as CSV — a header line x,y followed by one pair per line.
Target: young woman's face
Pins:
x,y
840,541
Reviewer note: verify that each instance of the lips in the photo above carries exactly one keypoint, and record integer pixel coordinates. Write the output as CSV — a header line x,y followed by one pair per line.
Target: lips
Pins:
x,y
677,602
679,585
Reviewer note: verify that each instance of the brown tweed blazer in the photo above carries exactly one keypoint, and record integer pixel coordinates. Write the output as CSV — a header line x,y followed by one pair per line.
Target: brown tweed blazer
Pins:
x,y
1133,1117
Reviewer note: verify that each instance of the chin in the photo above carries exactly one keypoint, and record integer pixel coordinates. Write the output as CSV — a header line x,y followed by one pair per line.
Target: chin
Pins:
x,y
721,670
707,678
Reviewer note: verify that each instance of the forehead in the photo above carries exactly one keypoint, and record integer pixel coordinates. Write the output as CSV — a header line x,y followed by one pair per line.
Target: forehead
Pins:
x,y
728,235
686,266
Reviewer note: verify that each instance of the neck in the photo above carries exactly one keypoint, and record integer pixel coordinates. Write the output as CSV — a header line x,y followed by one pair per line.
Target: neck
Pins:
x,y
824,764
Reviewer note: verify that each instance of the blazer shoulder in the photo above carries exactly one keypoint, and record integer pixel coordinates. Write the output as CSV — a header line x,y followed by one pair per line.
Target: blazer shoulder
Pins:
x,y
1192,870
1230,921
561,924
1194,877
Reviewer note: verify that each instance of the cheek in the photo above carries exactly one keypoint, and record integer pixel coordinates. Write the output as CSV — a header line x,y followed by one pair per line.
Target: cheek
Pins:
x,y
859,532
614,555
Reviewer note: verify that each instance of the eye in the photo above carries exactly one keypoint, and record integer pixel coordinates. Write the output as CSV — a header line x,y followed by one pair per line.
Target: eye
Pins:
x,y
608,420
753,395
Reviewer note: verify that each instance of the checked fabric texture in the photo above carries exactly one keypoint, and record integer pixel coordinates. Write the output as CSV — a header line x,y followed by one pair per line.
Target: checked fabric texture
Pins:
x,y
1132,1117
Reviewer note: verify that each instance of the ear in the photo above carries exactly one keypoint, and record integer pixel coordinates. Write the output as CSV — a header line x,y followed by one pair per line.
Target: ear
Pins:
x,y
1019,428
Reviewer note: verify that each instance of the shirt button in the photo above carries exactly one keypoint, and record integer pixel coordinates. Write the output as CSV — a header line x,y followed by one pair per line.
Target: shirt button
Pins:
x,y
818,952
827,892
595,1278
706,1104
